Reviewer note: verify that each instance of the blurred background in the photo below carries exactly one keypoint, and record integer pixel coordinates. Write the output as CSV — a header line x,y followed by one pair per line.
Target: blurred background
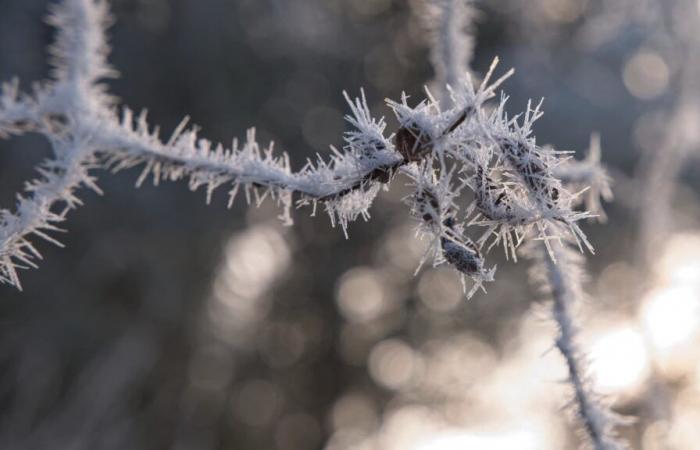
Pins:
x,y
169,324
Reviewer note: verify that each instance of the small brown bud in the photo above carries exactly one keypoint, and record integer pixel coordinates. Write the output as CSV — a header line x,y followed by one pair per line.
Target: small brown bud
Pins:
x,y
413,143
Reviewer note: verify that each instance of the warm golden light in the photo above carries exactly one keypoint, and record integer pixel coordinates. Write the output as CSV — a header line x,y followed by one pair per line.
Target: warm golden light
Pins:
x,y
619,360
522,439
671,316
680,261
670,313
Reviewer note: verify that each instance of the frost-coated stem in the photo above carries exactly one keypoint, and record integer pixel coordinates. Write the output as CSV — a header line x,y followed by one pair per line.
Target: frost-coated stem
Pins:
x,y
443,147
533,197
590,177
187,155
452,48
76,114
79,58
79,55
50,199
562,280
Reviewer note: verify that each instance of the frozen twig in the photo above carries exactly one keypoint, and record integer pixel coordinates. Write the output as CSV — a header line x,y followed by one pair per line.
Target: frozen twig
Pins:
x,y
449,24
76,114
521,190
590,177
562,281
443,147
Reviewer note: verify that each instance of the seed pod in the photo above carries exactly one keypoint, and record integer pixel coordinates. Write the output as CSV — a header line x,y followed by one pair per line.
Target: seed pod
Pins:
x,y
461,258
461,252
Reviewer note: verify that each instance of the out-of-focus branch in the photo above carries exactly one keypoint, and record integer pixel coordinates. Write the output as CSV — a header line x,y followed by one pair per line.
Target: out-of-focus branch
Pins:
x,y
449,24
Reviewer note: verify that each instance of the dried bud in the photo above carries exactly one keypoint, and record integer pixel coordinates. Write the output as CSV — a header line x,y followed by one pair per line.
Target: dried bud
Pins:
x,y
460,251
413,143
464,256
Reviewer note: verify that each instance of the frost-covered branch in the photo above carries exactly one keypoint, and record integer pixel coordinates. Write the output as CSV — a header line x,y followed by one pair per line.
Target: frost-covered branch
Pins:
x,y
515,189
523,190
449,24
590,177
346,185
50,198
76,114
56,111
562,281
79,55
443,147
433,203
